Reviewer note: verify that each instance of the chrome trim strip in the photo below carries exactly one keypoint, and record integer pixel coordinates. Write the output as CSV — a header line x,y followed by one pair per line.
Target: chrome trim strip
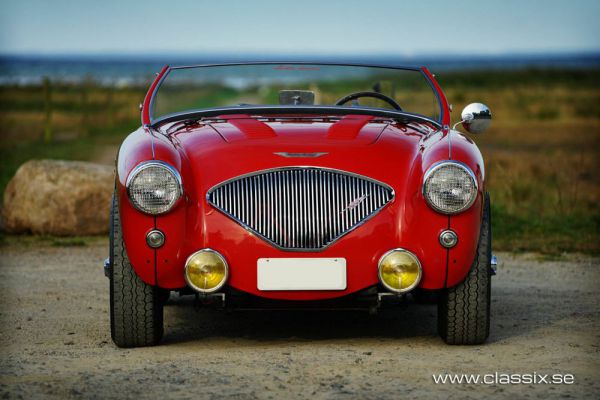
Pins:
x,y
300,155
292,62
300,208
437,166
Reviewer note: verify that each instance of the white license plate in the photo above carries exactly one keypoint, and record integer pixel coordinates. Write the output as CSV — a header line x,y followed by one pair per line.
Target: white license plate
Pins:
x,y
301,273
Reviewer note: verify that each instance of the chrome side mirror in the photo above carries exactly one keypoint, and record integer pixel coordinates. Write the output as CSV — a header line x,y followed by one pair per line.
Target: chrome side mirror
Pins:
x,y
475,118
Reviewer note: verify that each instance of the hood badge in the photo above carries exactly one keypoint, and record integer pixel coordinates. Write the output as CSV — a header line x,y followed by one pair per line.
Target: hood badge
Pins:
x,y
300,155
355,203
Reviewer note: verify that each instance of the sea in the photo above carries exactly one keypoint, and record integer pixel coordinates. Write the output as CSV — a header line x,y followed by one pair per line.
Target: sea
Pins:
x,y
132,70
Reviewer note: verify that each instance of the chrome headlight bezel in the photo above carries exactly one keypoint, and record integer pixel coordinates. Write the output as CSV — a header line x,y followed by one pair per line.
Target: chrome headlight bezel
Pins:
x,y
415,259
435,168
154,164
219,285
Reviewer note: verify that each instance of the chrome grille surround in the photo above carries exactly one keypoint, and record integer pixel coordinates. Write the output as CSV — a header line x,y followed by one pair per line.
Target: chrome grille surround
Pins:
x,y
300,208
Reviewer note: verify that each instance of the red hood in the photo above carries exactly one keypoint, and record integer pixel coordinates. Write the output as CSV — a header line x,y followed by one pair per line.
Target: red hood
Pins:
x,y
360,130
226,148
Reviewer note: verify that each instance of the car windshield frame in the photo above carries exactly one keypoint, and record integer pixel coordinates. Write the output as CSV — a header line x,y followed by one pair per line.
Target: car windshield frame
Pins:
x,y
261,110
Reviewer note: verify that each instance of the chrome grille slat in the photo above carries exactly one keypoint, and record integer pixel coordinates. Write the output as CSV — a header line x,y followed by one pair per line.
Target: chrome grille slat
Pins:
x,y
300,208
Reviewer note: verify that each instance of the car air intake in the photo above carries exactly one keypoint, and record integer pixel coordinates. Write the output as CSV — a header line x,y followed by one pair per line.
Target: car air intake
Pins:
x,y
300,208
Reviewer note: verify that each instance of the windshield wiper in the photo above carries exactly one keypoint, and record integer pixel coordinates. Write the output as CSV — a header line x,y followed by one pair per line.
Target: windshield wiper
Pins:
x,y
187,123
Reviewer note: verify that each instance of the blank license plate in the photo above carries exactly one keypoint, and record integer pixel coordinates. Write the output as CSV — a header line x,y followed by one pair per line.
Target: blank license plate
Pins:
x,y
301,273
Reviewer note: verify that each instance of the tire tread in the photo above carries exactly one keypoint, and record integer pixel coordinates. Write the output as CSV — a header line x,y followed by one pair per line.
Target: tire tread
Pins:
x,y
136,314
464,310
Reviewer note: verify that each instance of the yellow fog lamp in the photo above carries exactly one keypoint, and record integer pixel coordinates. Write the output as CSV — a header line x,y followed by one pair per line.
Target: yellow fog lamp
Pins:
x,y
399,270
206,271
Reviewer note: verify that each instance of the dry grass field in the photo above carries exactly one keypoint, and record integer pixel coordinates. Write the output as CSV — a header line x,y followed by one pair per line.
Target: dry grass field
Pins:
x,y
541,155
541,152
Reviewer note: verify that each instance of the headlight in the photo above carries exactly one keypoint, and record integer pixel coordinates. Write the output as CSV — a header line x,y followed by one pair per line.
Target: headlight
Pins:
x,y
154,187
450,187
399,270
206,271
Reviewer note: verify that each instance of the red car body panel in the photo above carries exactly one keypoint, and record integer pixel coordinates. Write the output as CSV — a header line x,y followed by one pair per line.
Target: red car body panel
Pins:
x,y
146,105
466,224
207,154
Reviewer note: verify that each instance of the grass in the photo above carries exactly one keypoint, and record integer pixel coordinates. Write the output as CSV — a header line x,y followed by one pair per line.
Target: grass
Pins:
x,y
79,129
554,234
541,155
541,151
31,241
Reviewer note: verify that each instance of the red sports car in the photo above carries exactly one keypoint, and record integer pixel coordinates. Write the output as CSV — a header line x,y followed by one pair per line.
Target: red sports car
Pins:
x,y
300,185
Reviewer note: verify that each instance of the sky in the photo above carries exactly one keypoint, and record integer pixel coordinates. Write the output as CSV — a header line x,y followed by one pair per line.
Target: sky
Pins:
x,y
418,27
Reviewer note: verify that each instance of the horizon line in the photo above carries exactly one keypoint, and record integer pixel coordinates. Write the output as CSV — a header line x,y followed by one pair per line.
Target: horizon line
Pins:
x,y
262,54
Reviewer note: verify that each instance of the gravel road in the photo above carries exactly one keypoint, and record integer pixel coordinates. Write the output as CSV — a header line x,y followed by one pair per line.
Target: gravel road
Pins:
x,y
56,342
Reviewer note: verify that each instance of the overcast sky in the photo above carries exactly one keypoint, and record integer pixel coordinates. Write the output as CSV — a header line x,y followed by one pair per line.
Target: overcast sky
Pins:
x,y
303,26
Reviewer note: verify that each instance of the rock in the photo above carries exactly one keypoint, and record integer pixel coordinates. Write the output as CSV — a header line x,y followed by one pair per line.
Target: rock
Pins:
x,y
63,198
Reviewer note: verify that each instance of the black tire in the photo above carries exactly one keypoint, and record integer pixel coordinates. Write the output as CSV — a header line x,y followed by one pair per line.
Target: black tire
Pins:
x,y
164,297
464,310
423,296
136,310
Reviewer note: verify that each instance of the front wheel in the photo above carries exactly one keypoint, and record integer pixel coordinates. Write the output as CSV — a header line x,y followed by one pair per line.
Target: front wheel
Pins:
x,y
464,310
136,309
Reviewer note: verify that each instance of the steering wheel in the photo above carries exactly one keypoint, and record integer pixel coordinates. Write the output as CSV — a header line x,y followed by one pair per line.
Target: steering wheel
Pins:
x,y
354,96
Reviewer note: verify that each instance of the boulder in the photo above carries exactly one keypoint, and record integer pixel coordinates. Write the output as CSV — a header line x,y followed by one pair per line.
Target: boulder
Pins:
x,y
64,198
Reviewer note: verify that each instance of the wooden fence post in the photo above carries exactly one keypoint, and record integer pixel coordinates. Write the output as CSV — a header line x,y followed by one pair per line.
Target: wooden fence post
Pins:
x,y
47,110
85,118
110,109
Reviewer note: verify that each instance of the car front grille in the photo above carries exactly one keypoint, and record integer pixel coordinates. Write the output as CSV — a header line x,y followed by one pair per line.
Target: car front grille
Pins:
x,y
300,208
